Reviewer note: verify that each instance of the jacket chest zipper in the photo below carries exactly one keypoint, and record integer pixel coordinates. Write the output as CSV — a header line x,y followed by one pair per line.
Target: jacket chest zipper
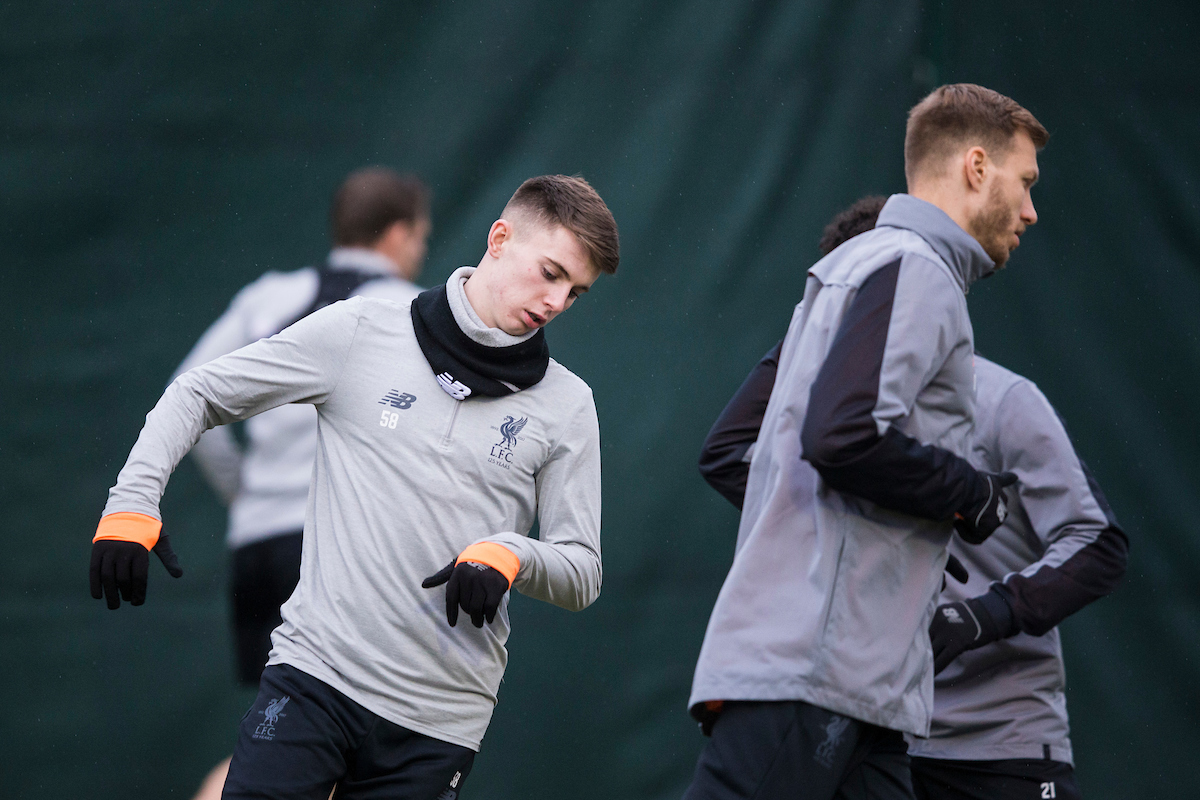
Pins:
x,y
450,424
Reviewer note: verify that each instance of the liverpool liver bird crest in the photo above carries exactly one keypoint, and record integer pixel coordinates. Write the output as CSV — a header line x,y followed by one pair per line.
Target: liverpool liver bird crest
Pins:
x,y
509,430
275,710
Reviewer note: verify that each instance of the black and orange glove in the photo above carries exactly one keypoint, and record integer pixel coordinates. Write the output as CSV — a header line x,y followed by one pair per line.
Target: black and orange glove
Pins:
x,y
121,556
476,581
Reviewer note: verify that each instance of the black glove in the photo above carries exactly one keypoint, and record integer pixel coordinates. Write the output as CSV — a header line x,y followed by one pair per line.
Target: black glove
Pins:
x,y
121,569
476,587
979,520
959,627
956,570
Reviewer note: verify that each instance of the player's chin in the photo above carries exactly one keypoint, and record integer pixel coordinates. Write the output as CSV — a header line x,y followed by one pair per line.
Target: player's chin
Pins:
x,y
516,328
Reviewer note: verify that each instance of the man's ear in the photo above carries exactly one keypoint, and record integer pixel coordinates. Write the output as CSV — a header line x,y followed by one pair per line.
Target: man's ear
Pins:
x,y
498,236
975,167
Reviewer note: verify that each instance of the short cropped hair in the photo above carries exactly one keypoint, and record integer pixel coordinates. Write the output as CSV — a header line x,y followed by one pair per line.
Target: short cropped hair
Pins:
x,y
958,114
370,201
570,201
858,218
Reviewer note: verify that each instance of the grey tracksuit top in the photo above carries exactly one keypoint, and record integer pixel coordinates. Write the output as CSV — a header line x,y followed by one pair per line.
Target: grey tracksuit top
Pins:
x,y
1059,549
405,478
856,476
265,484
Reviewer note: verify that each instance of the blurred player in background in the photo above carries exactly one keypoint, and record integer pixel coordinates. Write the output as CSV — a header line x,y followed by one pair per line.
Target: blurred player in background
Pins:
x,y
1000,722
380,224
815,661
445,430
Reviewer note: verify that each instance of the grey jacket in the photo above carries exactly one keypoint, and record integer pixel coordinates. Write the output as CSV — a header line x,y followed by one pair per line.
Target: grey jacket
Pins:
x,y
1059,549
857,474
405,478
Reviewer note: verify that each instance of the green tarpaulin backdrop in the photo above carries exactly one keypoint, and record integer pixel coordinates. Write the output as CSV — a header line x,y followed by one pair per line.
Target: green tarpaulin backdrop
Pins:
x,y
155,159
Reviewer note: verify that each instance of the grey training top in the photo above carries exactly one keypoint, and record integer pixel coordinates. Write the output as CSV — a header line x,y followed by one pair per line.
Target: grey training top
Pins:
x,y
1059,549
856,475
405,478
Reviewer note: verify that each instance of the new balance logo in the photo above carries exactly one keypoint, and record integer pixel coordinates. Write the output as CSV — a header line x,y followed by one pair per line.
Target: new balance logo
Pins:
x,y
401,400
456,389
952,615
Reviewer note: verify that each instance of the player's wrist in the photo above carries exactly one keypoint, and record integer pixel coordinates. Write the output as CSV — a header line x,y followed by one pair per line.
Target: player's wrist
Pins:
x,y
493,555
996,617
129,526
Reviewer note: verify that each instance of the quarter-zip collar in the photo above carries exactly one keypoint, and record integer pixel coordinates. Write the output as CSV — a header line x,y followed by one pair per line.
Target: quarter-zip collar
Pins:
x,y
966,257
469,321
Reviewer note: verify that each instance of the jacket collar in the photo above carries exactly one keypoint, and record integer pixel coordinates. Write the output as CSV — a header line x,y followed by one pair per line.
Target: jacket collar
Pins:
x,y
360,259
966,257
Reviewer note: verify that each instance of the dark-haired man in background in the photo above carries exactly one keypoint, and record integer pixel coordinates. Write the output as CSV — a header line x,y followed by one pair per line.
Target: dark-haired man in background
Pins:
x,y
815,662
380,225
1000,727
445,430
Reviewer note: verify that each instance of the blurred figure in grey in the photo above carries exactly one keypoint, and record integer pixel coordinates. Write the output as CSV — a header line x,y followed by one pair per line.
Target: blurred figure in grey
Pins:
x,y
1000,726
380,224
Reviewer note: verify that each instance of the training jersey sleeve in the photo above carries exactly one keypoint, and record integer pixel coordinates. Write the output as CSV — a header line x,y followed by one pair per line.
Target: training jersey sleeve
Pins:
x,y
723,458
217,453
563,565
893,339
1085,548
302,364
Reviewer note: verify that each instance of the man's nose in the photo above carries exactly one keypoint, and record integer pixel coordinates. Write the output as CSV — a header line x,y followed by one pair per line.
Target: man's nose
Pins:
x,y
1028,213
556,300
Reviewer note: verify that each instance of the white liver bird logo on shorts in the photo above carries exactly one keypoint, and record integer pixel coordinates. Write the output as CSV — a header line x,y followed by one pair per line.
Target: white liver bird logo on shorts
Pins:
x,y
265,730
274,709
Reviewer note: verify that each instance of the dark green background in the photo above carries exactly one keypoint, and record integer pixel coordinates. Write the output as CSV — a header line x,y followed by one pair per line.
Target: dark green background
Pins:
x,y
154,159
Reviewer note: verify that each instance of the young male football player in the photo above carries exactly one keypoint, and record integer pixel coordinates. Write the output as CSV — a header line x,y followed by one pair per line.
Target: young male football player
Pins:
x,y
814,662
1000,725
444,430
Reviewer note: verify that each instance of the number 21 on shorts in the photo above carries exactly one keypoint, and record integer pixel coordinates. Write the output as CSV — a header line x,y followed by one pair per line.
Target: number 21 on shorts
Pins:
x,y
1048,790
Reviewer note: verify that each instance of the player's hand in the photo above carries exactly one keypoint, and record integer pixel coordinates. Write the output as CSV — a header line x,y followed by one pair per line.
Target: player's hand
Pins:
x,y
121,557
476,582
959,627
981,519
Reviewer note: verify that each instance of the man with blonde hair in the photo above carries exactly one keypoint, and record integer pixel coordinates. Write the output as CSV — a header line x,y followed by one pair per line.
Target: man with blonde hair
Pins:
x,y
444,431
816,661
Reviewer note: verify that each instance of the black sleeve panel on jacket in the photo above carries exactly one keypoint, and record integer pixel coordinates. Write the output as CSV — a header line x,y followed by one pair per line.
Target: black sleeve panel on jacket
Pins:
x,y
721,458
840,437
1052,594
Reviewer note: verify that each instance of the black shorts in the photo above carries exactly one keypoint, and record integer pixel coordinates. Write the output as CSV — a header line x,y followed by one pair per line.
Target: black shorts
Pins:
x,y
1012,779
264,575
301,737
767,750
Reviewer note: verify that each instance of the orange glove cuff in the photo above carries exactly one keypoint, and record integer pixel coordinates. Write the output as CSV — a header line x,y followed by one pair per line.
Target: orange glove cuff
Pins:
x,y
127,526
496,556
